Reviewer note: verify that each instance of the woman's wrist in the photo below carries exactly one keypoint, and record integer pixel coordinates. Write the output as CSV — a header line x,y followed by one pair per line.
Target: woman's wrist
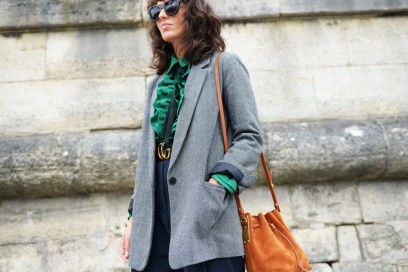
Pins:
x,y
128,223
214,181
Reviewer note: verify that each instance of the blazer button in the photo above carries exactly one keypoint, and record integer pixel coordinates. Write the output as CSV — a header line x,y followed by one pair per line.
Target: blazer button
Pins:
x,y
173,181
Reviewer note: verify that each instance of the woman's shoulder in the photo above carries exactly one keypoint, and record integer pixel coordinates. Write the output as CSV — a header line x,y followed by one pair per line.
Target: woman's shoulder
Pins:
x,y
226,56
230,61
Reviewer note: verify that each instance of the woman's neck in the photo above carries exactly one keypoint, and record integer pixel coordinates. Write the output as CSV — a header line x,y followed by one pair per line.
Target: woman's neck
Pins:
x,y
179,50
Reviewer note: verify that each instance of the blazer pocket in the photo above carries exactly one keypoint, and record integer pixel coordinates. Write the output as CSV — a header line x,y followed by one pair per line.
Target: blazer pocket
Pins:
x,y
211,203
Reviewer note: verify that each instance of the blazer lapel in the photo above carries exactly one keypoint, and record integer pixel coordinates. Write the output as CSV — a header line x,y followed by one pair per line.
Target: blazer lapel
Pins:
x,y
151,141
192,90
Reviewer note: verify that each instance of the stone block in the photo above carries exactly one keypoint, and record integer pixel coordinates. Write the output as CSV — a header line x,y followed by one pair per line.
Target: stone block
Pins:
x,y
383,201
396,133
317,151
349,245
116,213
299,7
402,267
323,69
381,243
400,227
352,92
289,45
55,165
20,257
319,244
58,13
98,54
40,165
73,255
108,161
61,106
376,41
258,199
277,96
61,219
230,10
64,234
363,267
321,267
329,203
85,254
22,57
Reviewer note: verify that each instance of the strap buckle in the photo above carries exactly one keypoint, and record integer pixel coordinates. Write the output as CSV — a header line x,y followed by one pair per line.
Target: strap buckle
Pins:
x,y
163,154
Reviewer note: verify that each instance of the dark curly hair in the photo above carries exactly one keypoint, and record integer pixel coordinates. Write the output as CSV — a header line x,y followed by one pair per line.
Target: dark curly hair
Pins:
x,y
202,37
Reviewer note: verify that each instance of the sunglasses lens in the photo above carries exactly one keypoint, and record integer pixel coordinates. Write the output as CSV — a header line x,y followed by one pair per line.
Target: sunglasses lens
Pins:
x,y
171,7
154,13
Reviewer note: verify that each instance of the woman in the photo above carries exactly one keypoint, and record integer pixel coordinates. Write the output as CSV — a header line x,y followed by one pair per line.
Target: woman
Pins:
x,y
183,215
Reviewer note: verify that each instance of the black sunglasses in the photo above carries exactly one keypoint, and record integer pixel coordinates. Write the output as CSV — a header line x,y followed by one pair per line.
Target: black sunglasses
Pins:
x,y
171,8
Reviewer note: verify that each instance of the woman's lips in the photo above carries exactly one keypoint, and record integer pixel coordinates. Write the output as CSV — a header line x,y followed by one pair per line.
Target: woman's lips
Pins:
x,y
165,26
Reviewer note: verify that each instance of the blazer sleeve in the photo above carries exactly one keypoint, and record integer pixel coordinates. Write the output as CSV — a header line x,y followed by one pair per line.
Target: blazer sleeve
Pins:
x,y
246,140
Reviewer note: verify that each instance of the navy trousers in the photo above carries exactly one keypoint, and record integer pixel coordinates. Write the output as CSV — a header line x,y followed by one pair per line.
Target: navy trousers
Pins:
x,y
159,254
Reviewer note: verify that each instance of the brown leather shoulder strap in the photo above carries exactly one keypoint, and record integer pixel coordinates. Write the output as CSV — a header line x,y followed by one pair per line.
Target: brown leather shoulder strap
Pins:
x,y
268,173
220,103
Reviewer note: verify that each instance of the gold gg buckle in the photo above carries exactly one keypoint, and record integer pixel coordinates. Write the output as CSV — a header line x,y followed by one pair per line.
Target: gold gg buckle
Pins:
x,y
163,155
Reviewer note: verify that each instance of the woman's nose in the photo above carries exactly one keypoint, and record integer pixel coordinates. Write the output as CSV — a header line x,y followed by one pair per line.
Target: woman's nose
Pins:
x,y
162,14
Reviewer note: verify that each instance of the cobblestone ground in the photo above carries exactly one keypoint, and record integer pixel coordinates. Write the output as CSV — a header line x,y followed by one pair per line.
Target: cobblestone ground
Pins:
x,y
343,227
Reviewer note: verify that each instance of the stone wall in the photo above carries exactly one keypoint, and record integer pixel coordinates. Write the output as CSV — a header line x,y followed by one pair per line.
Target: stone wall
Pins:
x,y
343,227
330,79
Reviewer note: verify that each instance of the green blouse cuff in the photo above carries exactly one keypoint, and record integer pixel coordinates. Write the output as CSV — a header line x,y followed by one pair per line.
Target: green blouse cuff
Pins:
x,y
229,183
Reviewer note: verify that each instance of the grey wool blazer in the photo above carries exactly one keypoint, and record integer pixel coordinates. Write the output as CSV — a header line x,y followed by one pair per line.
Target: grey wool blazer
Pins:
x,y
204,220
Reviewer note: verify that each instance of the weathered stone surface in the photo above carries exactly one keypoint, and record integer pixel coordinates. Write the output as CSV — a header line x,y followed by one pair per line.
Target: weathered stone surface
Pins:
x,y
298,7
45,14
22,57
326,68
361,90
321,267
314,151
384,201
64,234
277,50
64,106
116,213
80,233
320,43
363,267
400,227
57,13
85,254
319,244
396,135
349,245
301,152
38,220
381,243
42,165
20,257
230,10
374,42
98,53
330,203
402,267
258,199
109,161
54,165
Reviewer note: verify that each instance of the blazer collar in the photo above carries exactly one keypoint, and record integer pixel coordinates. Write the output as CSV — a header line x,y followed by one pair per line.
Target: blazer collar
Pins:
x,y
192,90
